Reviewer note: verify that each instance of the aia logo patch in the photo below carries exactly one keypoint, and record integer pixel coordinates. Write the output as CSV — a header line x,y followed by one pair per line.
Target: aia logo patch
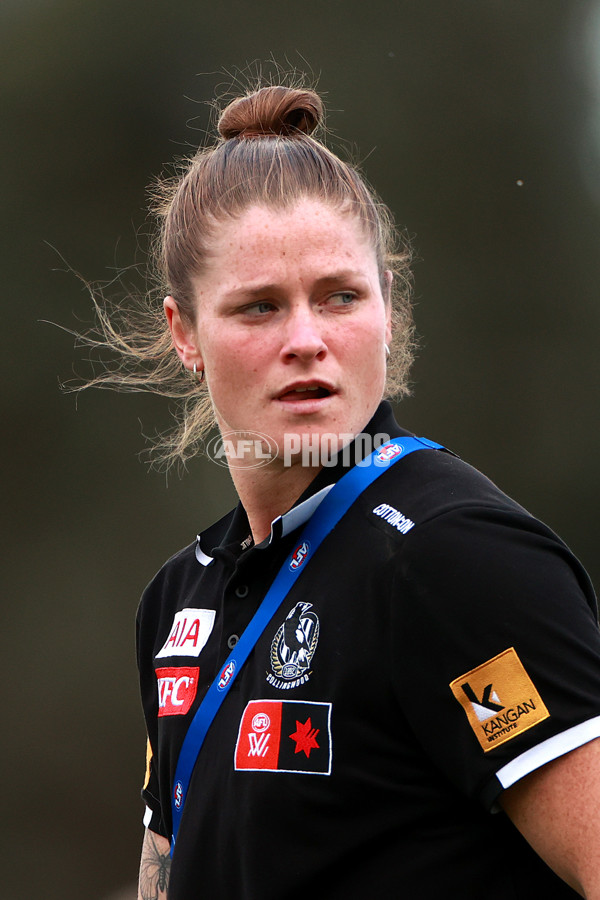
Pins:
x,y
293,648
189,633
285,736
177,688
299,555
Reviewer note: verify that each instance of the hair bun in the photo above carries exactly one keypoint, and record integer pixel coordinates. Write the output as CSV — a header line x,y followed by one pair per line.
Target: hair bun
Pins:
x,y
273,110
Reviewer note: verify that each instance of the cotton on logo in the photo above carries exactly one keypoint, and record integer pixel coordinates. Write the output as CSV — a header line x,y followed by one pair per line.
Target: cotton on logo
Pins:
x,y
189,633
389,451
176,690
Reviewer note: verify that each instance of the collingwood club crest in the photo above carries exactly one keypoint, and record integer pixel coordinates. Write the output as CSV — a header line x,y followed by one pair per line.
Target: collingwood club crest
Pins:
x,y
293,648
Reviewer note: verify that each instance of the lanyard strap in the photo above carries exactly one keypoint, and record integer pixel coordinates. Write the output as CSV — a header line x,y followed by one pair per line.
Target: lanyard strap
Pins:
x,y
337,502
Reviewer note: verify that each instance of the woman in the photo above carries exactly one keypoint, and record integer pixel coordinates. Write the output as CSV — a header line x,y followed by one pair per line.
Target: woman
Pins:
x,y
347,674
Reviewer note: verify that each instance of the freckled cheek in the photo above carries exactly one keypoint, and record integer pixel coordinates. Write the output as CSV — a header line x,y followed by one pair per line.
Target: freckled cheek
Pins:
x,y
365,344
236,361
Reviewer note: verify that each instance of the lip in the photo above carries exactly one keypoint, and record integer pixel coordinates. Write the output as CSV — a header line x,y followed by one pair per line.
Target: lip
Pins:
x,y
305,392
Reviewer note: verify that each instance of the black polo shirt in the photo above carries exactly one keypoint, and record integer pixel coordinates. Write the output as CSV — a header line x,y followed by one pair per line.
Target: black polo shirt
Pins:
x,y
440,645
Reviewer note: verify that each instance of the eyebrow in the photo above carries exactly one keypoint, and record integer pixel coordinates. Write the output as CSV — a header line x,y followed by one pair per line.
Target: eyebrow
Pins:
x,y
334,278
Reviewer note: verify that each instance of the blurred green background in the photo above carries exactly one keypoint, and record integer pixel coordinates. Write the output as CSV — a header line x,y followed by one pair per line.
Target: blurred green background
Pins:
x,y
479,123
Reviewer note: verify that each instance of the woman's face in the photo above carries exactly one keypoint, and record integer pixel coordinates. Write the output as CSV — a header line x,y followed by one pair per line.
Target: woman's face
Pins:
x,y
291,323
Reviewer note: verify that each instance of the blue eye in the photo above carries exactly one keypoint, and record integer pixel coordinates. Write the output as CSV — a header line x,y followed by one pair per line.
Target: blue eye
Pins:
x,y
261,308
344,298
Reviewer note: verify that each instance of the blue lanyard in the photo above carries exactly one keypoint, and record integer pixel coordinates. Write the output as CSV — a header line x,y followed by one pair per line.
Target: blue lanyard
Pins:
x,y
337,502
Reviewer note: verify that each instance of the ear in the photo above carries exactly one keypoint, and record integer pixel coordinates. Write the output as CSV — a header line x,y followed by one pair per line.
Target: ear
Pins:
x,y
388,278
182,333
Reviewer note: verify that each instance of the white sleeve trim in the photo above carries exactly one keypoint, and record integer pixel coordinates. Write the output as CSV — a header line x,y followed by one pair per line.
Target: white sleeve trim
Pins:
x,y
147,817
548,750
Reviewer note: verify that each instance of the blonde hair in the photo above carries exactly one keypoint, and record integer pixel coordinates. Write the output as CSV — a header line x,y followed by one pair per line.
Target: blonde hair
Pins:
x,y
266,154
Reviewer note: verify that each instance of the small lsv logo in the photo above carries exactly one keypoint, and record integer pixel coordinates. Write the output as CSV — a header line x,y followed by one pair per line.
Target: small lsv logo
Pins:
x,y
299,555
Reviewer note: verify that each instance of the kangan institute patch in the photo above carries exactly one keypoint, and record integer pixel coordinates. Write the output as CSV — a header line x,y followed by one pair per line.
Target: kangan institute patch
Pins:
x,y
500,699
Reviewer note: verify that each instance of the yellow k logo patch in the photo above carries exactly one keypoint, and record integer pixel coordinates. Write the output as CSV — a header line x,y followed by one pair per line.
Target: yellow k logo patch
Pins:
x,y
499,699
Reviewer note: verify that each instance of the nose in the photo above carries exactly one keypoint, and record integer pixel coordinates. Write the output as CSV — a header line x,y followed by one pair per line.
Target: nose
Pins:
x,y
303,336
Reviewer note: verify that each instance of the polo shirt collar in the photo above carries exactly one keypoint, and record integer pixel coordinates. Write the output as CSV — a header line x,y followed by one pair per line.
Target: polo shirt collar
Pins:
x,y
281,526
232,532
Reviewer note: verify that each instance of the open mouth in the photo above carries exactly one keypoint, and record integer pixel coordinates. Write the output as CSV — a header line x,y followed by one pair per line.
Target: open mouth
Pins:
x,y
314,392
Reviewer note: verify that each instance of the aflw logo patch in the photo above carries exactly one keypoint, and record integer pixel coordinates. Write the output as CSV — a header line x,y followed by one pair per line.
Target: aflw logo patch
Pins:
x,y
189,633
285,736
500,699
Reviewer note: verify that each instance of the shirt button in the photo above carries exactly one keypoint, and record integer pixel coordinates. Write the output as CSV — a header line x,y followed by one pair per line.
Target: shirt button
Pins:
x,y
232,641
241,591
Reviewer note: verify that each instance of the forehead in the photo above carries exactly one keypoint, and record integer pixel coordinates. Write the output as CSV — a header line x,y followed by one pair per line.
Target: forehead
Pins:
x,y
307,234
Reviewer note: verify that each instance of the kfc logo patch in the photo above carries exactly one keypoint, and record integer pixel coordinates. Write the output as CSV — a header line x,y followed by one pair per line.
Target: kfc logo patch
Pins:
x,y
285,736
189,633
177,688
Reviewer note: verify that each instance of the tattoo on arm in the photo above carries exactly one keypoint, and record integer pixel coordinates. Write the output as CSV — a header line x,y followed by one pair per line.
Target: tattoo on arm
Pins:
x,y
154,868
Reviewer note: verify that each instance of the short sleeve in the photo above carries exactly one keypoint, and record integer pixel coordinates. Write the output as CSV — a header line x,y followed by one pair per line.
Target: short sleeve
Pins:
x,y
498,647
153,816
145,629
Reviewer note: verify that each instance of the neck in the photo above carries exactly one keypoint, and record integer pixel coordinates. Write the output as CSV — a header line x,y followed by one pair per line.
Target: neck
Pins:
x,y
268,492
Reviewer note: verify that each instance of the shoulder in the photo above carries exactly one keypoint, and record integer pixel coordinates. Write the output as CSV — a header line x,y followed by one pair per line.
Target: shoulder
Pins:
x,y
430,486
180,574
441,482
450,524
174,570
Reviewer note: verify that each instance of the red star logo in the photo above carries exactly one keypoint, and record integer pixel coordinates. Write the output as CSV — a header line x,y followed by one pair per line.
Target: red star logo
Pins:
x,y
305,737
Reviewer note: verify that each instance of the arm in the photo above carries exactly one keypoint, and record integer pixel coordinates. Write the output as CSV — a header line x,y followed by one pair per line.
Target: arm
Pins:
x,y
155,866
557,809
